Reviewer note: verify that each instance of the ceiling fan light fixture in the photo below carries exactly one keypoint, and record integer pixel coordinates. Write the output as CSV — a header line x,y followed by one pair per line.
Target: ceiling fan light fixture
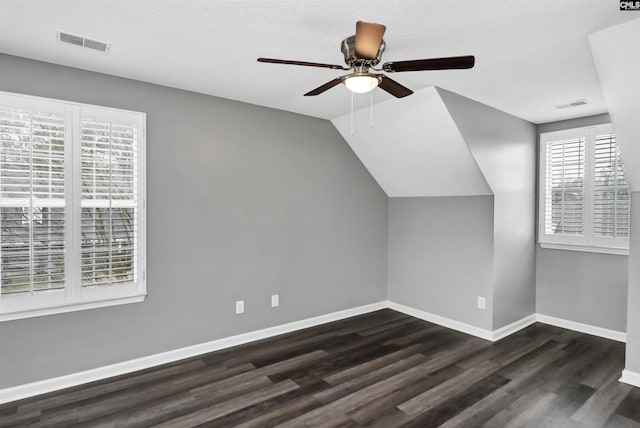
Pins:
x,y
361,83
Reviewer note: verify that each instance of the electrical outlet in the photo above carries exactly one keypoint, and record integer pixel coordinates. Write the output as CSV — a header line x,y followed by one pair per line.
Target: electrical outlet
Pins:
x,y
240,307
482,302
275,300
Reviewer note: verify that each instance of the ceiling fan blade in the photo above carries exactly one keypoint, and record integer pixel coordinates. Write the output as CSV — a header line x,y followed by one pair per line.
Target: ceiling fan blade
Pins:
x,y
303,63
393,87
368,39
454,62
325,87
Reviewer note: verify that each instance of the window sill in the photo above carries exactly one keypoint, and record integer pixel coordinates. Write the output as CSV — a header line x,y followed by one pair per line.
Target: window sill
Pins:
x,y
61,309
586,248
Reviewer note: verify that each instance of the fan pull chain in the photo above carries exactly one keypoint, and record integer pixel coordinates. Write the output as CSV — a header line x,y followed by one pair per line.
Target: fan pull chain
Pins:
x,y
351,132
371,111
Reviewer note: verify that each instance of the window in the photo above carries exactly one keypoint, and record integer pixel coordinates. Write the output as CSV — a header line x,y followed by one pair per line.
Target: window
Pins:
x,y
584,194
72,192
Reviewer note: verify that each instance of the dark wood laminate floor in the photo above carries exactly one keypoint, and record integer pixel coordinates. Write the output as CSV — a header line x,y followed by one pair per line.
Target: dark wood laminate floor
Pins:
x,y
383,369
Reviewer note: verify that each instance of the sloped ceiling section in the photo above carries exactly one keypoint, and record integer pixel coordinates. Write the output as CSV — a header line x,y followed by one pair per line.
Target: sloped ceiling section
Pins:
x,y
414,148
503,145
619,71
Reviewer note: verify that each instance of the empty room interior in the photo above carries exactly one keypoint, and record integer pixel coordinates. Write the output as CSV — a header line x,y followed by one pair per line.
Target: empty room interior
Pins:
x,y
319,213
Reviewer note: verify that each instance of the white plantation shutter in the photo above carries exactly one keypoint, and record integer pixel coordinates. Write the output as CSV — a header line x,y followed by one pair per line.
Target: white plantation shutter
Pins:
x,y
612,204
72,188
32,200
584,198
565,187
109,201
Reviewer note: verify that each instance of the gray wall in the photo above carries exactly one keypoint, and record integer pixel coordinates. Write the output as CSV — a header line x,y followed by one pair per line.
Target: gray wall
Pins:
x,y
441,255
504,146
584,287
243,202
590,288
633,317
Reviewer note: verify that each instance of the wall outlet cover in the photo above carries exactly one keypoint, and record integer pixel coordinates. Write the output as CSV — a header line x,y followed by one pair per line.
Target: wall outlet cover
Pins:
x,y
275,300
240,307
482,302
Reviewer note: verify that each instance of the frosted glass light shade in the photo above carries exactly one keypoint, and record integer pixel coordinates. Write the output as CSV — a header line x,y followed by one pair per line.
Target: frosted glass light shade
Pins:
x,y
361,83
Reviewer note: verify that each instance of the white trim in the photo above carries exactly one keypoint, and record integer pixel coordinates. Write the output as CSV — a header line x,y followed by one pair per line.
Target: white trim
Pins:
x,y
585,248
31,99
514,327
618,336
443,321
70,307
631,378
41,387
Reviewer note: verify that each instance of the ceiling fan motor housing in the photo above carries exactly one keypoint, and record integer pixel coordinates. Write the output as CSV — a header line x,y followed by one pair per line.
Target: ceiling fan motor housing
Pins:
x,y
348,48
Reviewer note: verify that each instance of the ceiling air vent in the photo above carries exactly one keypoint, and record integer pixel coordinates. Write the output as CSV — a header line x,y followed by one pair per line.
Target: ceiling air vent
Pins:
x,y
81,41
575,103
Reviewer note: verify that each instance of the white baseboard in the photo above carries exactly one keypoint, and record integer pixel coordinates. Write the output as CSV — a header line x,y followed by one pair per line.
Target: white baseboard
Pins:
x,y
618,336
443,321
631,378
49,385
516,326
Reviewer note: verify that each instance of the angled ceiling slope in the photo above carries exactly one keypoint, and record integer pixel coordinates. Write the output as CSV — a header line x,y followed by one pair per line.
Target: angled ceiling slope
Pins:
x,y
414,148
503,145
618,70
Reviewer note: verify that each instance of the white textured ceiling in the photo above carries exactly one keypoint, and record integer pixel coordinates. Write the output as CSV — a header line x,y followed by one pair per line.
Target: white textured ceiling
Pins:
x,y
530,55
431,159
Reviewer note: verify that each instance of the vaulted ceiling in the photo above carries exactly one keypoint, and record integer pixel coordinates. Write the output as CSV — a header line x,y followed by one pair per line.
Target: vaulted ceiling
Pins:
x,y
530,55
431,159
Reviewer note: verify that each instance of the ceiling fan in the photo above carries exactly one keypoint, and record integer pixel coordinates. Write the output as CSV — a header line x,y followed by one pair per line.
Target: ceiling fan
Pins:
x,y
363,52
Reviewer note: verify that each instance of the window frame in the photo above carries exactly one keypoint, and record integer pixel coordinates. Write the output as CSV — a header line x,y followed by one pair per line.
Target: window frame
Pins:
x,y
74,296
587,242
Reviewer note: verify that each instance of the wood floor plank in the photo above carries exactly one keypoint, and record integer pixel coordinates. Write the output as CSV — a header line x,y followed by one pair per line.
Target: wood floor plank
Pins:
x,y
630,406
603,403
453,406
453,387
180,404
19,419
563,406
272,369
290,409
611,367
382,369
85,410
522,410
478,413
371,410
353,385
64,397
209,413
417,336
334,362
617,421
278,408
350,402
370,365
450,388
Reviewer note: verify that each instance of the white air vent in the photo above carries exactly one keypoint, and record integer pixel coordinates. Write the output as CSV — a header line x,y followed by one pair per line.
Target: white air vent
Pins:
x,y
575,103
81,41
